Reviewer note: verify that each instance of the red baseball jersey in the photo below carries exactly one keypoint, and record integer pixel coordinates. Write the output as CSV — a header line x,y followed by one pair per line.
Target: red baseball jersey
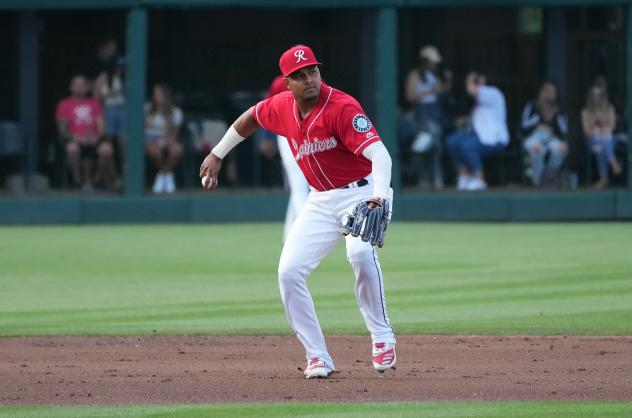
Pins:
x,y
328,144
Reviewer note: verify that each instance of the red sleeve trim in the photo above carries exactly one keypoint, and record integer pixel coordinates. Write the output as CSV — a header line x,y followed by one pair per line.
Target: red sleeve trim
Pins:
x,y
365,144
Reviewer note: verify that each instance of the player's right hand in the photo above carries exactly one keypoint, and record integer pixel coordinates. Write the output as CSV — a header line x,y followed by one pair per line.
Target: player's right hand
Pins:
x,y
209,171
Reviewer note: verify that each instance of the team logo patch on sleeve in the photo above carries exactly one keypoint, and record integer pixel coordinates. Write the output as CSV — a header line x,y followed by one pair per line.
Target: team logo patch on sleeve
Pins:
x,y
361,123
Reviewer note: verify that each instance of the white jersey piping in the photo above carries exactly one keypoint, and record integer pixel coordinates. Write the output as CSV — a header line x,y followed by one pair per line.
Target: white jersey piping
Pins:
x,y
306,157
307,134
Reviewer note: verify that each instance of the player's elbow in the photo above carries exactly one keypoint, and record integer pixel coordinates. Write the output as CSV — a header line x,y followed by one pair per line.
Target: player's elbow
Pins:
x,y
388,162
382,158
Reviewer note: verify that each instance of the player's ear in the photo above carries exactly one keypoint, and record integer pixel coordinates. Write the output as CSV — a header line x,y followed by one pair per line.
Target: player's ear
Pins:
x,y
286,80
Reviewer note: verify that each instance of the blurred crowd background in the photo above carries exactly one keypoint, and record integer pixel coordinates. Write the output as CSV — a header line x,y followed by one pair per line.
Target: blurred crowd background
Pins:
x,y
555,79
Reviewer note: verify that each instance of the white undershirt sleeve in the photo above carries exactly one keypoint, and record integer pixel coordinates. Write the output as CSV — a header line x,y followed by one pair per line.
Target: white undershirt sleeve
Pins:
x,y
229,141
381,168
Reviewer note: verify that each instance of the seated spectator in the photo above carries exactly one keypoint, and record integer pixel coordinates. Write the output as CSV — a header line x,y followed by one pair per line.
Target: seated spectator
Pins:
x,y
80,125
598,122
163,121
486,135
544,128
423,91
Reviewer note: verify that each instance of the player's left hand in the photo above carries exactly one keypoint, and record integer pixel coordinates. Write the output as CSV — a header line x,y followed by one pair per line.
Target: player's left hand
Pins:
x,y
209,171
373,202
369,220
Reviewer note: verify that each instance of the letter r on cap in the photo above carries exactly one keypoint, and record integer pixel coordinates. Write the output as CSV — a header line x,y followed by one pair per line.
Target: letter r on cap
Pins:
x,y
300,55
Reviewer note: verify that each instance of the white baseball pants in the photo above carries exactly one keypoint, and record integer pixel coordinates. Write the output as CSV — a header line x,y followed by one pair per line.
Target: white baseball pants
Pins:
x,y
296,182
312,236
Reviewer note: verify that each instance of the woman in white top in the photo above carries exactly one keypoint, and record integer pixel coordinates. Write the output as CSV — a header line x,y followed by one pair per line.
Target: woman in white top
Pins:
x,y
424,91
163,121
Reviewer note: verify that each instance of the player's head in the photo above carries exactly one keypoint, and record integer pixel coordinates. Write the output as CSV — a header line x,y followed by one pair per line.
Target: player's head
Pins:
x,y
304,83
79,86
300,70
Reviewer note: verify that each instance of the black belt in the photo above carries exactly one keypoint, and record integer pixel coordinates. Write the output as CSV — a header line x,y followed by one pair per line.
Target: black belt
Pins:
x,y
355,184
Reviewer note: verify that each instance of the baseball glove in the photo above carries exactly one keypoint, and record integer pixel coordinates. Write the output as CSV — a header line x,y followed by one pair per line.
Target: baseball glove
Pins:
x,y
368,223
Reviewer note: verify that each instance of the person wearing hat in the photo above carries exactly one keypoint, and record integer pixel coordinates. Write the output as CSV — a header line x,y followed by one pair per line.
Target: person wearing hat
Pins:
x,y
423,91
341,155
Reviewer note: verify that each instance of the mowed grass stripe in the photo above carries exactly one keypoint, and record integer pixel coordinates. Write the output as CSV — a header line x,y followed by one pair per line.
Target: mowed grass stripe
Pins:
x,y
157,314
346,410
480,292
221,279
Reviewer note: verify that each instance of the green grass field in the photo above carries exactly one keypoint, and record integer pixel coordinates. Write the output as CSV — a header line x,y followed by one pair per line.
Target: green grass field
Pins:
x,y
382,410
220,279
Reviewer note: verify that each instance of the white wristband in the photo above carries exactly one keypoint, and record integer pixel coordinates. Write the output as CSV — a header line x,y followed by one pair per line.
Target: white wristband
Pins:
x,y
230,140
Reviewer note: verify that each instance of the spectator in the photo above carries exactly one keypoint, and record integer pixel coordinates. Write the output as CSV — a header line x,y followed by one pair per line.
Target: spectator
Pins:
x,y
109,90
486,135
163,121
80,125
598,122
423,91
545,128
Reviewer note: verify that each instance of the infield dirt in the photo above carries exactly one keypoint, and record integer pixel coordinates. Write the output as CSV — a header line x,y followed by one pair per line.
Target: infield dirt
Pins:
x,y
160,369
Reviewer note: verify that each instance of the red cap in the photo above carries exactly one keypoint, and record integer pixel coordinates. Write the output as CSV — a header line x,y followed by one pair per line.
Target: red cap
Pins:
x,y
295,58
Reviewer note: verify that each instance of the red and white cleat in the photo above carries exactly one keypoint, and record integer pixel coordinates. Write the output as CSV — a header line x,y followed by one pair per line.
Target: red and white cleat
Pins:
x,y
384,356
317,368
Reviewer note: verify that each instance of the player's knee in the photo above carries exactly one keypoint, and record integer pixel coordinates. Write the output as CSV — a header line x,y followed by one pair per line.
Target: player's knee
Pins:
x,y
289,272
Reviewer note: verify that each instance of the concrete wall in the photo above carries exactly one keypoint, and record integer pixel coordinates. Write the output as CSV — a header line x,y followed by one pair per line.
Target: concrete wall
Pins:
x,y
238,207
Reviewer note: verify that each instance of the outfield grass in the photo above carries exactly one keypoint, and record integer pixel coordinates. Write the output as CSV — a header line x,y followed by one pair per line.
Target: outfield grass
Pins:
x,y
221,279
381,410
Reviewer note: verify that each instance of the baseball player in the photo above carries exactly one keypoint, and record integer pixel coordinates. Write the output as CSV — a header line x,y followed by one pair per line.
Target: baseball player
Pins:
x,y
295,178
349,172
